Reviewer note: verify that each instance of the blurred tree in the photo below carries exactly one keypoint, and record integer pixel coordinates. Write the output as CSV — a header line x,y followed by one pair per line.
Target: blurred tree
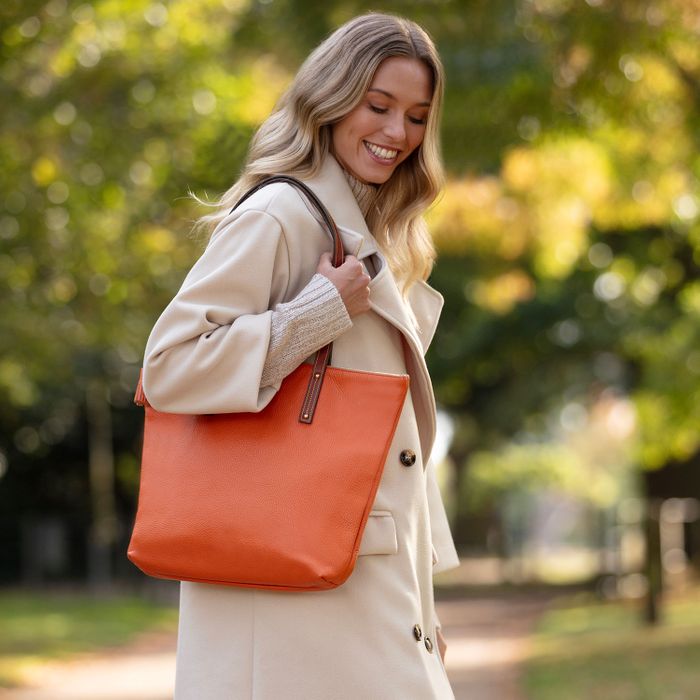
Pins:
x,y
570,266
118,107
568,233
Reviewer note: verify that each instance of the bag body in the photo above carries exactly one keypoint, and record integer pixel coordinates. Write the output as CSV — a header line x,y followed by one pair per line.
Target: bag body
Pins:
x,y
261,499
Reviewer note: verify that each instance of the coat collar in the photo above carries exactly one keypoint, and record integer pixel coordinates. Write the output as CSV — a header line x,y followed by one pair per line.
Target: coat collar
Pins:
x,y
333,189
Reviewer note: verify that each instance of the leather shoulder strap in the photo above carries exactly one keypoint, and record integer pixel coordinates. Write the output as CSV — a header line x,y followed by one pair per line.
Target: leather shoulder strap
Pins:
x,y
323,356
338,255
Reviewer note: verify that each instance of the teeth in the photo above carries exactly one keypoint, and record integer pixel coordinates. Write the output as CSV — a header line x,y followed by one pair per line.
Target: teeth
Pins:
x,y
381,152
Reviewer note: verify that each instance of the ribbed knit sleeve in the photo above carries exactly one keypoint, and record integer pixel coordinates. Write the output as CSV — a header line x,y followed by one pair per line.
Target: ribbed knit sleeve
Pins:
x,y
300,327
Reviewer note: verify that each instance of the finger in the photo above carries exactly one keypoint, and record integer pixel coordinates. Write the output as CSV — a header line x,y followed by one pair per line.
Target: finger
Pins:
x,y
353,264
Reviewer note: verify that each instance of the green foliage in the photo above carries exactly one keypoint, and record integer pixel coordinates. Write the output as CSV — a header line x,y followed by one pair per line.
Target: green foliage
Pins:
x,y
570,265
584,649
119,107
528,468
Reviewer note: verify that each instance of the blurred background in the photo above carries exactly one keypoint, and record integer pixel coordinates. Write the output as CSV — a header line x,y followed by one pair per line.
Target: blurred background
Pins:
x,y
566,364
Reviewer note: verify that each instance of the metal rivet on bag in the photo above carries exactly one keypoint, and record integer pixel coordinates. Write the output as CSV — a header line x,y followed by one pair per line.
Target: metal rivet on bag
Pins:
x,y
408,458
417,632
428,644
306,415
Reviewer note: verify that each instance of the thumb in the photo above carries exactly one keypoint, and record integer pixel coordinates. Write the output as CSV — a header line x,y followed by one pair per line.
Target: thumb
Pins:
x,y
324,261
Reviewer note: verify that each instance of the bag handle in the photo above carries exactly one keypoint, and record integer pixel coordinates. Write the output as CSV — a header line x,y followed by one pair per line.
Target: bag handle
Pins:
x,y
323,356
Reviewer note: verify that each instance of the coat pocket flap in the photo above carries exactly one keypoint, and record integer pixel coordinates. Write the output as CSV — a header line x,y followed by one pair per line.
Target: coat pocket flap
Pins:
x,y
379,536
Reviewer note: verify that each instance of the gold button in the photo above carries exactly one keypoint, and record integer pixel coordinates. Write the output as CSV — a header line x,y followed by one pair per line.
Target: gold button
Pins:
x,y
408,458
417,632
428,644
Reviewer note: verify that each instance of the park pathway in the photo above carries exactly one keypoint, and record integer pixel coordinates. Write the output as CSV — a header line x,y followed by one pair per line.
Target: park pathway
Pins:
x,y
486,634
487,639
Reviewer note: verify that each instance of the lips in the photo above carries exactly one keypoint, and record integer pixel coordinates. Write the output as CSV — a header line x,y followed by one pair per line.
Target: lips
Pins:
x,y
385,155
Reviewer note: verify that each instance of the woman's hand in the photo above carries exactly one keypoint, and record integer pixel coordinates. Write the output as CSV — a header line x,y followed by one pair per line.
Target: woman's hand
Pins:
x,y
442,643
350,280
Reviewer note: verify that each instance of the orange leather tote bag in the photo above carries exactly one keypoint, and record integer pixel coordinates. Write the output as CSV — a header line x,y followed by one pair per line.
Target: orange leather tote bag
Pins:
x,y
277,499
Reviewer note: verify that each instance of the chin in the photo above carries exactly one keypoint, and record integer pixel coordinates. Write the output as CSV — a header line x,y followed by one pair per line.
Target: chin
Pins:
x,y
374,178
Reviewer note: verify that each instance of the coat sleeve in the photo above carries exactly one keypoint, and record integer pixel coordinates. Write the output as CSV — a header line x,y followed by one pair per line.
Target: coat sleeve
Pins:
x,y
207,350
300,327
444,551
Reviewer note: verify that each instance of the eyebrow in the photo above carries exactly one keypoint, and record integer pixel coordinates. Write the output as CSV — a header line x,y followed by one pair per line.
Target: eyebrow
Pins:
x,y
388,94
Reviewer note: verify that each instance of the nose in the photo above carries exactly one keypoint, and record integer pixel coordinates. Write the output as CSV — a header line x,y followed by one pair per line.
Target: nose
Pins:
x,y
395,128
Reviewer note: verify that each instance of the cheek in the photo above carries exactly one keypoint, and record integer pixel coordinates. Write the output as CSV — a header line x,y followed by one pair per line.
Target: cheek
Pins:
x,y
417,137
340,136
352,132
347,133
414,141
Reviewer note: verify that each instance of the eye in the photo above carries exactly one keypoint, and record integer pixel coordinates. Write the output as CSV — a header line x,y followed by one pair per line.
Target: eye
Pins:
x,y
378,110
415,120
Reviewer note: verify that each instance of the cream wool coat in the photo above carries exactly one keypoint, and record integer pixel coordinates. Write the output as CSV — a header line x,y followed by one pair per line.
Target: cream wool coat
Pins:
x,y
205,355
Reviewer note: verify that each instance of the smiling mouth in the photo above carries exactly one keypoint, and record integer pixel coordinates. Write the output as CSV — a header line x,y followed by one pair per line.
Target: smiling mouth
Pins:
x,y
383,155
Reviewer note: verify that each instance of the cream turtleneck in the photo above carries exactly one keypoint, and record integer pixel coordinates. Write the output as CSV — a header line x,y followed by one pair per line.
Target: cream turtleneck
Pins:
x,y
365,193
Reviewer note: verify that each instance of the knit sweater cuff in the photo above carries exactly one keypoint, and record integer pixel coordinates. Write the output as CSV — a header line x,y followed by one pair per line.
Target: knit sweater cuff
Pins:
x,y
302,326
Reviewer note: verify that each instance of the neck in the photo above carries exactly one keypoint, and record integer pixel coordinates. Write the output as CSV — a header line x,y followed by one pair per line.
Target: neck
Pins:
x,y
365,193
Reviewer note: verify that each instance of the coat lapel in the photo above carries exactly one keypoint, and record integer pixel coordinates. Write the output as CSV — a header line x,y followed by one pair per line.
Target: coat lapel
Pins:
x,y
332,188
426,304
385,300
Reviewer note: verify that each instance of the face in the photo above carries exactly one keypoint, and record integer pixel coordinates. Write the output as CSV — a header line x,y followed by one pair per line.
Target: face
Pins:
x,y
388,124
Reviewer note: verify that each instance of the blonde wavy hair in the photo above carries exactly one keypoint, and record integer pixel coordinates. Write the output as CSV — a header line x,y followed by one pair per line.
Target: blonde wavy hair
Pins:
x,y
296,137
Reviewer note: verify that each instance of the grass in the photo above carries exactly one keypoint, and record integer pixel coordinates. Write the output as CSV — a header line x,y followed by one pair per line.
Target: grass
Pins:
x,y
40,628
587,649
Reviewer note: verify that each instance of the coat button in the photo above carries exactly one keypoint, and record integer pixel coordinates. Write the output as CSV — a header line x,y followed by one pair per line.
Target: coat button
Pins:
x,y
408,458
417,632
428,644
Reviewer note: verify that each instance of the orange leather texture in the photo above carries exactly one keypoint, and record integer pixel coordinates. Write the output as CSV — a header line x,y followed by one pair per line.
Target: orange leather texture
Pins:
x,y
260,499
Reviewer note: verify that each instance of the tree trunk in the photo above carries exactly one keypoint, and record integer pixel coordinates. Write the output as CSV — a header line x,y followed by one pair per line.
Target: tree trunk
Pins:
x,y
654,570
103,529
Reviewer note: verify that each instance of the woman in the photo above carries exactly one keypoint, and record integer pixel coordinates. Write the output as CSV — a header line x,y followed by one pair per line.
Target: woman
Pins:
x,y
359,125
